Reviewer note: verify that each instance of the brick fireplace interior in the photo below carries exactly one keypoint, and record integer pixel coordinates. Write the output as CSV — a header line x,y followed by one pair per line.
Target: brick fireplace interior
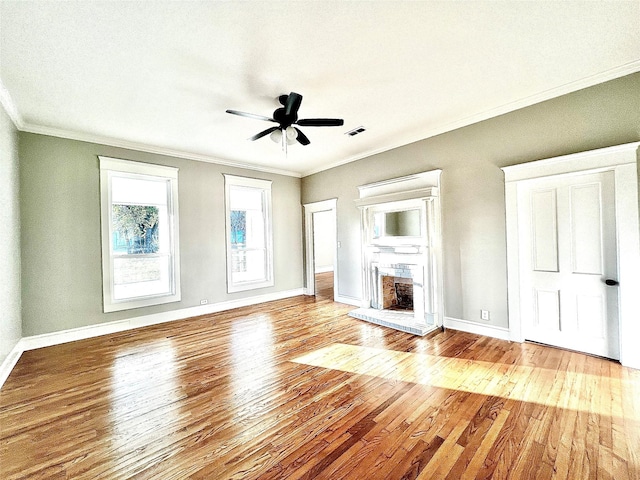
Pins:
x,y
397,293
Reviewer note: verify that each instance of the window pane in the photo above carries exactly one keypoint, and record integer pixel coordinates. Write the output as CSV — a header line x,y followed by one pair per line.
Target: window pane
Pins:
x,y
138,190
248,265
238,228
139,231
245,198
255,229
136,229
247,234
140,276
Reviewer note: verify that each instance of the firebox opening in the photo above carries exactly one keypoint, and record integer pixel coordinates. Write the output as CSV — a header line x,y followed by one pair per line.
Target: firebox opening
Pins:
x,y
397,293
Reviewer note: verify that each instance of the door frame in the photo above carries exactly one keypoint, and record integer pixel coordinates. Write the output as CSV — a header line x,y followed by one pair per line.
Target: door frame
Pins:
x,y
309,210
623,161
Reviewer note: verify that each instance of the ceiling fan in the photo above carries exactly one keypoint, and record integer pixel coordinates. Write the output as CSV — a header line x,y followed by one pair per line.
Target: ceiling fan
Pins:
x,y
287,117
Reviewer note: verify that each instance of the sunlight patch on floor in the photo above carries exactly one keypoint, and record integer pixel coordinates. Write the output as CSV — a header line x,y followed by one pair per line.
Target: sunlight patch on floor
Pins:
x,y
564,389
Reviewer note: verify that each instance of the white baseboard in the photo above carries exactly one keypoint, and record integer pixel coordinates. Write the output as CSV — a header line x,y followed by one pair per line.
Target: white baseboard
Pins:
x,y
356,302
328,268
63,336
9,362
631,361
477,328
90,331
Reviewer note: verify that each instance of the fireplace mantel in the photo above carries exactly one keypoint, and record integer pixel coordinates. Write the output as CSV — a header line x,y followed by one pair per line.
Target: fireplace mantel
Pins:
x,y
421,193
410,183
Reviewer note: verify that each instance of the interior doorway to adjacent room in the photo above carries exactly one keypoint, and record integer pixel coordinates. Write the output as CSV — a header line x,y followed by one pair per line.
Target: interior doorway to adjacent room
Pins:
x,y
324,238
321,249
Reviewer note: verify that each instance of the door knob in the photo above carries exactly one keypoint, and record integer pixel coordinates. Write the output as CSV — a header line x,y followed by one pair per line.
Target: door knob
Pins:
x,y
611,282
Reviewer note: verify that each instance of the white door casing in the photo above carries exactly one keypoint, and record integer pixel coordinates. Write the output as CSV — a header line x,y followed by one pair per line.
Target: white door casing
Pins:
x,y
621,163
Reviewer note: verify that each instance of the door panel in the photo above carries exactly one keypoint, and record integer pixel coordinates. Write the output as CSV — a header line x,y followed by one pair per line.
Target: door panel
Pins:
x,y
590,312
547,310
586,223
545,231
568,249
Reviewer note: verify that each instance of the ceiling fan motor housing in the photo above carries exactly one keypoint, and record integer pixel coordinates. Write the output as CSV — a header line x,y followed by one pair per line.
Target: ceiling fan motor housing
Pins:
x,y
280,116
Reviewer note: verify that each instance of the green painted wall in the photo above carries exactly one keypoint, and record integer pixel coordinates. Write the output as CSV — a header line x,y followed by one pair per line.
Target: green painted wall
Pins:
x,y
61,246
475,267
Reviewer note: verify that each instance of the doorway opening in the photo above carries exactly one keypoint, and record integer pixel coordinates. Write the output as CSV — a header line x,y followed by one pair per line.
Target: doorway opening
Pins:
x,y
323,252
321,249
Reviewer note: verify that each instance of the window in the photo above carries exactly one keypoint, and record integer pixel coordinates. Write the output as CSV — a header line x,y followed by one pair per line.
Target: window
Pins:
x,y
249,251
140,256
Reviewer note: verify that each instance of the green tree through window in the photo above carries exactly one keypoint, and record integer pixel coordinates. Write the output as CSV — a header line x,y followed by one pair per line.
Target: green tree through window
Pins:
x,y
238,228
136,227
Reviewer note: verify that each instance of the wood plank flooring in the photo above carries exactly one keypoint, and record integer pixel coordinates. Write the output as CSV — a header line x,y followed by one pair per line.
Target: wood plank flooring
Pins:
x,y
296,389
324,285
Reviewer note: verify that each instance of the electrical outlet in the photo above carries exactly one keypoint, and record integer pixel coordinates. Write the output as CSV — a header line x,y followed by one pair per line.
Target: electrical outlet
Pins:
x,y
204,302
484,314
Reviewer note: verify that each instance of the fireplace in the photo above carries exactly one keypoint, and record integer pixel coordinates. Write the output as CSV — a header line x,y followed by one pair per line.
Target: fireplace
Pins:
x,y
400,232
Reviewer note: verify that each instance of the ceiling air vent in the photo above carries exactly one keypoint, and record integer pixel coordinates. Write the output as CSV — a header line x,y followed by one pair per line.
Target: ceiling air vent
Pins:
x,y
355,131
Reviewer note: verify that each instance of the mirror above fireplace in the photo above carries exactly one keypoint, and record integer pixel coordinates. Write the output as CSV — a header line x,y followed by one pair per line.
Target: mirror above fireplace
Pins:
x,y
402,223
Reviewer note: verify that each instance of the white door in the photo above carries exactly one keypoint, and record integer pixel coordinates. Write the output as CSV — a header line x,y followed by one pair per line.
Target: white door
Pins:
x,y
567,241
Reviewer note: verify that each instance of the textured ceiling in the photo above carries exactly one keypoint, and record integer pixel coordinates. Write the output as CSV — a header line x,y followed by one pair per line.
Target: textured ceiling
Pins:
x,y
158,76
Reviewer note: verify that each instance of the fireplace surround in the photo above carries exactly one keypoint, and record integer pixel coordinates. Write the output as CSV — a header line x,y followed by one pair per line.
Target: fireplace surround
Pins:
x,y
400,228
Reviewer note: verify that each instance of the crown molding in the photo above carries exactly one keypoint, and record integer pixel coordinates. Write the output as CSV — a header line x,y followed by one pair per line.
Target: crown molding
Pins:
x,y
141,147
585,82
10,107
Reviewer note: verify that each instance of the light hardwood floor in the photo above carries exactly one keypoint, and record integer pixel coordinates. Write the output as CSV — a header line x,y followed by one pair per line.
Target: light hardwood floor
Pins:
x,y
324,285
297,389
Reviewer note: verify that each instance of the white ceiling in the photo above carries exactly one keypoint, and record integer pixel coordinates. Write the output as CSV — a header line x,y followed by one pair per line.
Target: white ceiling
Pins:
x,y
158,76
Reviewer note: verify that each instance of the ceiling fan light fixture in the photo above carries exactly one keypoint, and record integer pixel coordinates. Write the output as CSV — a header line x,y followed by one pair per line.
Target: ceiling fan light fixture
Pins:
x,y
276,136
292,134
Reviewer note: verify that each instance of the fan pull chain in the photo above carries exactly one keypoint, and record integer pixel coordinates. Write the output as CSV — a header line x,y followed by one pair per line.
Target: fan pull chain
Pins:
x,y
284,143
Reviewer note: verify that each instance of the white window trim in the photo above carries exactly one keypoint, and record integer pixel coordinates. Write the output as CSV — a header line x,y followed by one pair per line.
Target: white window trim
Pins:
x,y
265,185
108,165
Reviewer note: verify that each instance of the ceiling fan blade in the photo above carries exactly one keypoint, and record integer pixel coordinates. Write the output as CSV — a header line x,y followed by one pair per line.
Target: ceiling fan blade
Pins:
x,y
293,104
302,138
251,115
320,122
263,133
